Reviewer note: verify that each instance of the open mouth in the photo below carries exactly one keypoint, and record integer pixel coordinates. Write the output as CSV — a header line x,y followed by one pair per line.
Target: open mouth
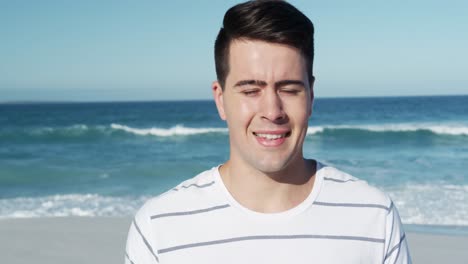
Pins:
x,y
272,136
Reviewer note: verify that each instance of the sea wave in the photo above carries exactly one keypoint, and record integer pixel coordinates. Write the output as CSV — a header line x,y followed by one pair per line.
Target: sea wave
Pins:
x,y
432,204
421,204
79,132
178,130
47,134
73,129
69,205
454,130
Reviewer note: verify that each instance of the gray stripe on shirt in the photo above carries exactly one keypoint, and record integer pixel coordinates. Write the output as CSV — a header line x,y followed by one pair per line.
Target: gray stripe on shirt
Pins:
x,y
195,185
190,212
269,237
337,180
390,207
146,241
126,255
395,247
353,205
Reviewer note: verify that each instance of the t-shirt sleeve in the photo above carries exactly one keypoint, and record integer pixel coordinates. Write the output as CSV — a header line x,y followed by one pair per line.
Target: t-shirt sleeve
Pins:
x,y
140,248
396,246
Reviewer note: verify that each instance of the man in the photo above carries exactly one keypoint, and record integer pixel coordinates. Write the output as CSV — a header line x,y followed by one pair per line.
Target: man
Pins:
x,y
267,203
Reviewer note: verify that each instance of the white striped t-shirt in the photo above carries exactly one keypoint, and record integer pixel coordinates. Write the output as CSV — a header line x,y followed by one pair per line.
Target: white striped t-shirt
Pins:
x,y
343,220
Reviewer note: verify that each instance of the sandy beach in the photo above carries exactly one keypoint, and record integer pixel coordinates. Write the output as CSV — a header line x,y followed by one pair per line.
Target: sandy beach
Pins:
x,y
102,240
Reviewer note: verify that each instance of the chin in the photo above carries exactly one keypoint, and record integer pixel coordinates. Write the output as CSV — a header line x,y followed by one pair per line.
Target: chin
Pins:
x,y
270,167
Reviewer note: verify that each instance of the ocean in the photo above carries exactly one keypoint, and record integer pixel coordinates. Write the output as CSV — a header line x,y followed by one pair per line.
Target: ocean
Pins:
x,y
106,159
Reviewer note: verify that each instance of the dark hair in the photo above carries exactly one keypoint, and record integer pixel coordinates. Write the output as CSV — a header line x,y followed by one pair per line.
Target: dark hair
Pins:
x,y
269,21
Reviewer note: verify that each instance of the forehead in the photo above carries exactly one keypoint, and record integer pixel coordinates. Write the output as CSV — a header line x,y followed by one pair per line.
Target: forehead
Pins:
x,y
253,59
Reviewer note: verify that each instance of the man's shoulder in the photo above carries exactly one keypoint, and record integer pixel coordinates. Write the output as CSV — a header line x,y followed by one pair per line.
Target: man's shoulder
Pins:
x,y
189,194
341,187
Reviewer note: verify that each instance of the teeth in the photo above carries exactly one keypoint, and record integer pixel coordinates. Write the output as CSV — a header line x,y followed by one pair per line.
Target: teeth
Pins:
x,y
271,136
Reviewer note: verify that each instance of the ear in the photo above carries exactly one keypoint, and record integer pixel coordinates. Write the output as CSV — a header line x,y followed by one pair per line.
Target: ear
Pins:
x,y
311,89
218,98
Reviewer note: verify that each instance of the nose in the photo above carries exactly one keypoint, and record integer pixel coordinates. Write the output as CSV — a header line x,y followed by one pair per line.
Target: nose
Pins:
x,y
272,106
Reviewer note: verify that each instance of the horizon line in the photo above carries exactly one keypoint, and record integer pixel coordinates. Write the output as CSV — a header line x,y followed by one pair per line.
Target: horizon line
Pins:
x,y
209,99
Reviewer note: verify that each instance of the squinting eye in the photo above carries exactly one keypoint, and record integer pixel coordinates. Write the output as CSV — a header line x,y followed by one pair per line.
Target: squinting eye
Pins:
x,y
290,91
250,92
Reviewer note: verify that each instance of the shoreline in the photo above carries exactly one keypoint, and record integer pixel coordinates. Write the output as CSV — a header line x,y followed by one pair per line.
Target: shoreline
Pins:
x,y
102,240
443,230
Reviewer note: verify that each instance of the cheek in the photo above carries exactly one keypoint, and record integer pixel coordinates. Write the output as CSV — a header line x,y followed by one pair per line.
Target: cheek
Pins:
x,y
300,112
301,117
241,111
246,109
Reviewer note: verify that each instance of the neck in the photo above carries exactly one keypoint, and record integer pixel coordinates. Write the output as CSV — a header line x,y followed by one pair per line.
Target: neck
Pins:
x,y
269,192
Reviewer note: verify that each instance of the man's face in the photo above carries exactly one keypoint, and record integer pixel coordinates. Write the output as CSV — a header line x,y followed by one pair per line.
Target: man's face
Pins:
x,y
266,102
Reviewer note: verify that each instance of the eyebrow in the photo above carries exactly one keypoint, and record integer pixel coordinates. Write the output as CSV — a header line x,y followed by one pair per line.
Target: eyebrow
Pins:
x,y
263,83
250,82
289,82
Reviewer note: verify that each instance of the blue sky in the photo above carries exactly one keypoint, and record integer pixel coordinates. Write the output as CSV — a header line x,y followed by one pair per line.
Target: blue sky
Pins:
x,y
163,50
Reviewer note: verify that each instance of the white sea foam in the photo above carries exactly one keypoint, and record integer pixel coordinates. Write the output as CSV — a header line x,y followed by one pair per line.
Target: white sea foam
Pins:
x,y
178,130
449,129
432,204
315,130
73,129
69,205
422,204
